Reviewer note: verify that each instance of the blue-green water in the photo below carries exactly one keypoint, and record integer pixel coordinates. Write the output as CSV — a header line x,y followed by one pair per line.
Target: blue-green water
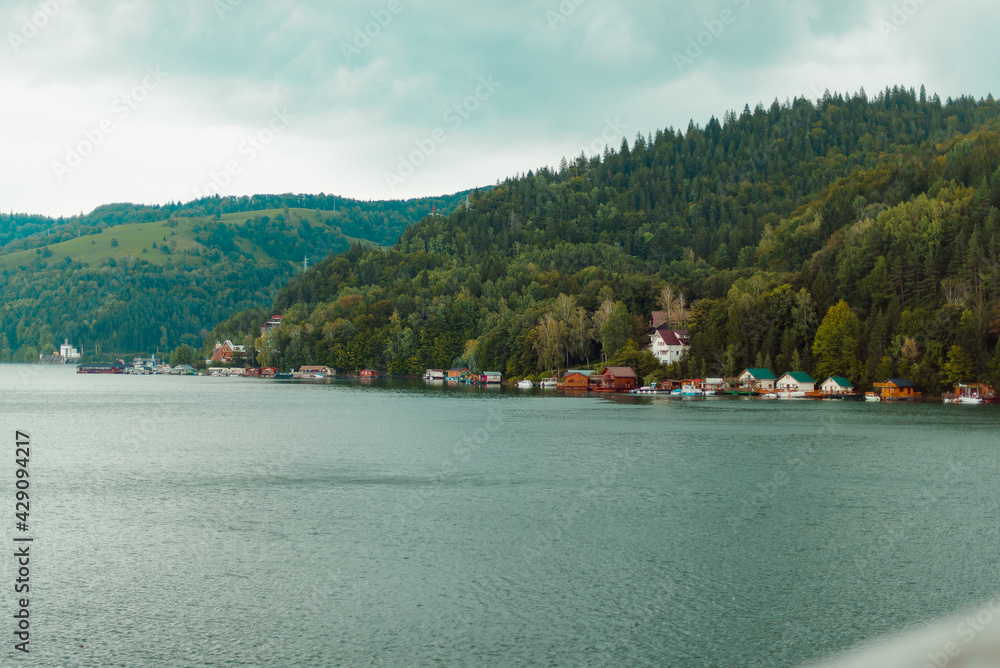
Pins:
x,y
241,522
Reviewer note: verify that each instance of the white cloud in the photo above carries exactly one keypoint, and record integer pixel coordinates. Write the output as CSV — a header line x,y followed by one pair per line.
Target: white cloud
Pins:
x,y
604,61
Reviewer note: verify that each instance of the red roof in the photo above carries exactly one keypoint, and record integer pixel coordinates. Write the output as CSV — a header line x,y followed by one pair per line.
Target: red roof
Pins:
x,y
673,337
620,372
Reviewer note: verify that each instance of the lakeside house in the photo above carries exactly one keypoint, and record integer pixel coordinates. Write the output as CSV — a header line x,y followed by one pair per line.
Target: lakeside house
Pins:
x,y
66,354
457,375
668,345
837,385
972,393
273,323
616,379
183,370
756,380
796,381
312,371
226,352
369,373
896,389
492,377
576,379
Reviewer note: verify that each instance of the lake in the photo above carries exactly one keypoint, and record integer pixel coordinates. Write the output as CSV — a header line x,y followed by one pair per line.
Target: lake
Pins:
x,y
240,522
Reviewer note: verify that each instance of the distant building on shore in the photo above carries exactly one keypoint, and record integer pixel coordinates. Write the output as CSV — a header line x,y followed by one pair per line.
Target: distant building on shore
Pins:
x,y
66,354
273,323
668,345
227,352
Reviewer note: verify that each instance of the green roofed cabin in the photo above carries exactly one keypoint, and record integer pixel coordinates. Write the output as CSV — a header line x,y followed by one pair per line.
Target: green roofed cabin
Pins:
x,y
761,380
796,381
836,385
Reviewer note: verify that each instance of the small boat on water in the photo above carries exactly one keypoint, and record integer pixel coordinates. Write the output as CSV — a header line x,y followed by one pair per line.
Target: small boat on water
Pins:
x,y
792,394
284,374
652,390
525,384
972,394
694,390
548,383
871,396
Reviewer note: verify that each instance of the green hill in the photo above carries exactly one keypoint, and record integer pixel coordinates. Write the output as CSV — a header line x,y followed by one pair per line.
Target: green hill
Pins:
x,y
128,279
748,230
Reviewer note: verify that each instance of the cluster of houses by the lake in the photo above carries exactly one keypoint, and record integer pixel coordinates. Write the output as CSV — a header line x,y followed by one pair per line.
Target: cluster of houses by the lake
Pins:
x,y
667,344
752,382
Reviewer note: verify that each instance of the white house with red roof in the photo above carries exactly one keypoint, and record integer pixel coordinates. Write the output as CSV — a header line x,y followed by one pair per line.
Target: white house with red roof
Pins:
x,y
669,345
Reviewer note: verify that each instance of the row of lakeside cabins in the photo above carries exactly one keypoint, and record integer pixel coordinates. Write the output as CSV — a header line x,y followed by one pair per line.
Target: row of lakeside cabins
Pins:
x,y
624,379
752,382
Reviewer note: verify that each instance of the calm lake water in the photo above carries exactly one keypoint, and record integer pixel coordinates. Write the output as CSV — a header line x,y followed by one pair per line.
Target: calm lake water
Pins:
x,y
241,522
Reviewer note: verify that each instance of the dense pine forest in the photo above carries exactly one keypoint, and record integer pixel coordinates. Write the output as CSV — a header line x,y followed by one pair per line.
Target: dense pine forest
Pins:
x,y
851,235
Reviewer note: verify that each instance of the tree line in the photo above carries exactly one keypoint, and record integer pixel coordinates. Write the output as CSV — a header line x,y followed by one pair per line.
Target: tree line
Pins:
x,y
849,234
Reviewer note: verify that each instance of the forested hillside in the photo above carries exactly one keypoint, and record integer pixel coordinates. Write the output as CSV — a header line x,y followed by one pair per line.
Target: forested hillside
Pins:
x,y
135,279
753,227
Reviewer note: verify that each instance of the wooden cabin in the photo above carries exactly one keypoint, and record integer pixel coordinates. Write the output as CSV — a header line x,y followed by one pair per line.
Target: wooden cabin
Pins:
x,y
616,379
369,373
576,380
457,375
897,389
796,381
313,371
756,380
492,377
836,386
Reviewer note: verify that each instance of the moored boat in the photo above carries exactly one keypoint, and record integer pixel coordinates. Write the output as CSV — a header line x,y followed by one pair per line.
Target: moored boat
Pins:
x,y
548,383
652,390
525,384
972,394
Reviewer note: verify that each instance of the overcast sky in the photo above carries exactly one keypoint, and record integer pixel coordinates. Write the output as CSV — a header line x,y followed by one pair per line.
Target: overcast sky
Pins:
x,y
150,102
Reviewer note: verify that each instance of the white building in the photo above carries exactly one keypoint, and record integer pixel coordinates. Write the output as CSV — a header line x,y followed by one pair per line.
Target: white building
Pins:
x,y
669,345
761,380
68,352
837,385
796,381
